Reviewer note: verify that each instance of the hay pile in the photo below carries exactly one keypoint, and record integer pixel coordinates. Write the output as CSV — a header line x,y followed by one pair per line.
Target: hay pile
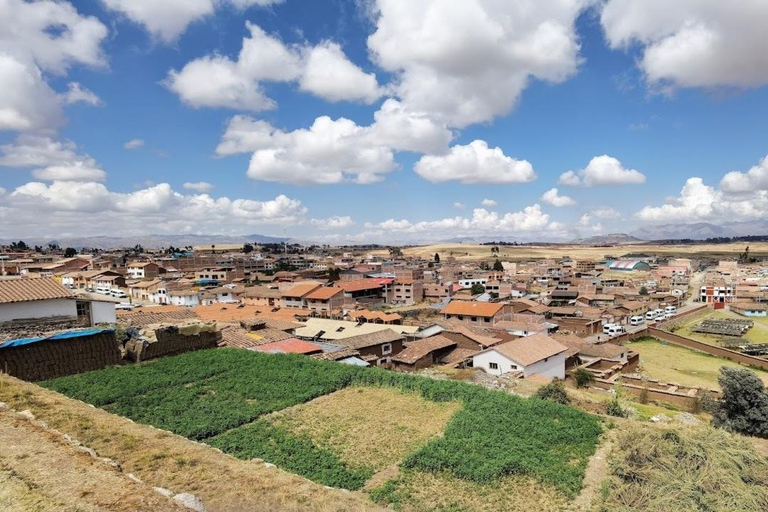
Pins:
x,y
686,468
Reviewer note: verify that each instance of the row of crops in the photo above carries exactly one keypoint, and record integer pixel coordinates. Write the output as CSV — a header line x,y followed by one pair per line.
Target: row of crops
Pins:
x,y
217,396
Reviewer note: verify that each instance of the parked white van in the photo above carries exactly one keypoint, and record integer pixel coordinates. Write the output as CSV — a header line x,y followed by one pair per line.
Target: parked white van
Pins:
x,y
615,330
607,328
670,310
119,294
103,290
636,320
651,315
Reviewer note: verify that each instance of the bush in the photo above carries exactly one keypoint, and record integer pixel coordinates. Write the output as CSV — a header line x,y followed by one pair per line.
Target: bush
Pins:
x,y
744,404
554,392
614,408
583,377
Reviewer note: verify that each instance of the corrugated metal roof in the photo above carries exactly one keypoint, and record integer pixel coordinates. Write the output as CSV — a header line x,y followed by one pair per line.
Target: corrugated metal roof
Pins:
x,y
23,290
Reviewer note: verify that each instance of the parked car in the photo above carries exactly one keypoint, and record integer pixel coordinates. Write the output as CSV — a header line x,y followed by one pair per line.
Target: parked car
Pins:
x,y
636,320
119,294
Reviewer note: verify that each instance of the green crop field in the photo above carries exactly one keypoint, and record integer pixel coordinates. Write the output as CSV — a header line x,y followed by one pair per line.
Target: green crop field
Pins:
x,y
221,397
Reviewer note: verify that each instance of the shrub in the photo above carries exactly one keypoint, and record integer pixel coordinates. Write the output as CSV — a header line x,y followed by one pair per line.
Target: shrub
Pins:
x,y
744,404
614,408
554,392
583,377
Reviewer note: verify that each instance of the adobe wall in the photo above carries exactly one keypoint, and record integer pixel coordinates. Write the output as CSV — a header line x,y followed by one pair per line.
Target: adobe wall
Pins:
x,y
733,355
57,358
171,342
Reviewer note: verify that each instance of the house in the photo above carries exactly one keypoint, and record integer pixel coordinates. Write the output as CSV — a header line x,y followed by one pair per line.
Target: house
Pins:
x,y
142,270
364,288
423,353
375,347
34,298
294,297
325,299
476,313
533,355
262,296
407,291
187,298
628,265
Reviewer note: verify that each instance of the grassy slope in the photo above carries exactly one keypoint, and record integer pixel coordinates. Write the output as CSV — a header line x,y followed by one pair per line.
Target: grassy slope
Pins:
x,y
209,393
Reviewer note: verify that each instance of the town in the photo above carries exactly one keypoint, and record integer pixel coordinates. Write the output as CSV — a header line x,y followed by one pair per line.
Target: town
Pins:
x,y
522,325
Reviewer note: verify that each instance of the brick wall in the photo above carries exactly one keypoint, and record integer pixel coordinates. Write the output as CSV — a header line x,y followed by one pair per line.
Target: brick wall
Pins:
x,y
171,342
733,355
49,359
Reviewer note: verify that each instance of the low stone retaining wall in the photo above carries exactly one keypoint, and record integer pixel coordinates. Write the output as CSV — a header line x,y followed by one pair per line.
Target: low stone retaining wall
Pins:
x,y
172,341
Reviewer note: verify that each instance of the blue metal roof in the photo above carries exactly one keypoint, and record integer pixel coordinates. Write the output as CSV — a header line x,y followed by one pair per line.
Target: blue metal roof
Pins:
x,y
60,336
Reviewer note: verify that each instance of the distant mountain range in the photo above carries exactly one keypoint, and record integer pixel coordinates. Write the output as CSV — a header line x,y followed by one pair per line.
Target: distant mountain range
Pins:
x,y
148,241
701,230
612,239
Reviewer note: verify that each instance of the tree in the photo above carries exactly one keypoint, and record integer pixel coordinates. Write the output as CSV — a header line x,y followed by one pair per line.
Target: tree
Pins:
x,y
395,252
247,248
583,377
554,392
643,290
70,252
497,266
744,404
437,258
213,249
477,289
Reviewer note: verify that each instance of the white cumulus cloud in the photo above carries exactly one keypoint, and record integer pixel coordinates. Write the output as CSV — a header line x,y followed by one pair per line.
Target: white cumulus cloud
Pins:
x,y
488,203
469,63
693,43
220,82
474,163
602,170
79,94
50,159
133,144
333,223
553,197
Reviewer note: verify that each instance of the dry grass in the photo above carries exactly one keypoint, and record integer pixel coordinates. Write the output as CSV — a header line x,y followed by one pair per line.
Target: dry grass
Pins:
x,y
680,365
167,460
467,252
368,427
685,468
16,494
418,491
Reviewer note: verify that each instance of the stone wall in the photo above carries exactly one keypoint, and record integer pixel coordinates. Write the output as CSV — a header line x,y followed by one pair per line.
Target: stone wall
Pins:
x,y
171,341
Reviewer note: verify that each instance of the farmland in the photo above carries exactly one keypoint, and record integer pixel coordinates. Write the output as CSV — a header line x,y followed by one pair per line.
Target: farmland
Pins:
x,y
227,397
468,252
670,363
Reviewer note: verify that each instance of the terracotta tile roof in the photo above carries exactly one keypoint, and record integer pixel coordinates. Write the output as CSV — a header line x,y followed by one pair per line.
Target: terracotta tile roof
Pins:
x,y
262,292
459,355
324,293
289,346
23,290
232,336
530,349
360,285
470,308
370,339
156,315
423,348
337,354
228,313
279,323
375,315
301,290
602,350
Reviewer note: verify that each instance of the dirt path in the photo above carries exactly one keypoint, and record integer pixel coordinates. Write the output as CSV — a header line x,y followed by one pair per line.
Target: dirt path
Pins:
x,y
166,460
597,471
39,470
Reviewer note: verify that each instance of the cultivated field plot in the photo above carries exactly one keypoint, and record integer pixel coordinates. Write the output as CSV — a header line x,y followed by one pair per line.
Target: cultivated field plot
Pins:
x,y
680,365
466,252
757,333
227,397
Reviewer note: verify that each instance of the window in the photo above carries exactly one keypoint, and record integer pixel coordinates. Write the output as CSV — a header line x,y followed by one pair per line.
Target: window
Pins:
x,y
493,366
386,349
474,319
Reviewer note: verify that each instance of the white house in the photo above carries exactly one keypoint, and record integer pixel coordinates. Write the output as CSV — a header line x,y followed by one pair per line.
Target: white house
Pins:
x,y
184,298
26,299
537,354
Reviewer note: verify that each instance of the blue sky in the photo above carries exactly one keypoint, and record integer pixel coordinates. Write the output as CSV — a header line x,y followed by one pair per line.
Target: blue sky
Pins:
x,y
650,113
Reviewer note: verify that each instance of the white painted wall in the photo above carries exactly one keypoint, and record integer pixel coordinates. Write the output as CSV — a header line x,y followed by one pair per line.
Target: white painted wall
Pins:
x,y
552,368
37,309
103,313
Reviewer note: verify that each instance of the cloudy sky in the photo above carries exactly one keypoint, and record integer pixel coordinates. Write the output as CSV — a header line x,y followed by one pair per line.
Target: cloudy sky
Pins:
x,y
377,120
